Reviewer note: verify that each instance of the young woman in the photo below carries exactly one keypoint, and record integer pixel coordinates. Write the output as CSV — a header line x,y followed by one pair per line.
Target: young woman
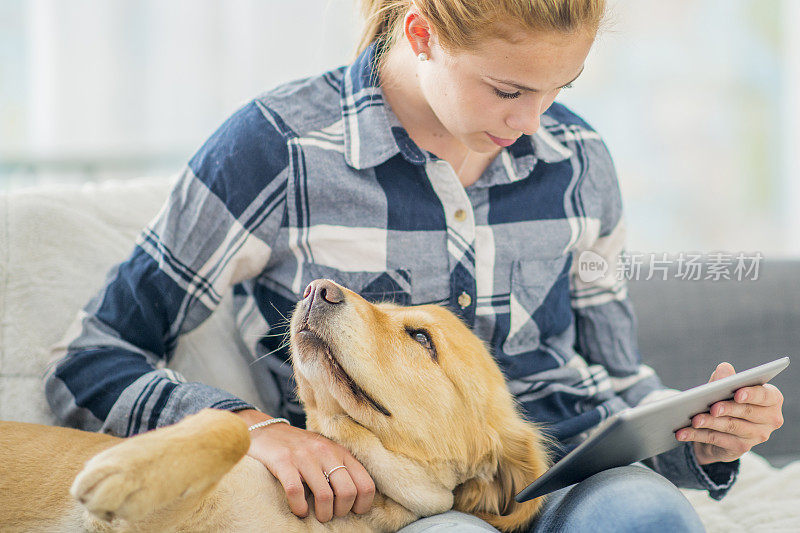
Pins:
x,y
435,168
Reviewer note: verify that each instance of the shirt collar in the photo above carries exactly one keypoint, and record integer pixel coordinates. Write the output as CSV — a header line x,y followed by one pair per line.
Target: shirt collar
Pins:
x,y
373,133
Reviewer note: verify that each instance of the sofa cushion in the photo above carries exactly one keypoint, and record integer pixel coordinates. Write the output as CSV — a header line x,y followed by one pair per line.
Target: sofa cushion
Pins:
x,y
57,244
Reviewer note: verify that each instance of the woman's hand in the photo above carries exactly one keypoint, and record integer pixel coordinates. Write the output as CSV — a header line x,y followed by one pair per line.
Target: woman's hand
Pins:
x,y
731,428
297,457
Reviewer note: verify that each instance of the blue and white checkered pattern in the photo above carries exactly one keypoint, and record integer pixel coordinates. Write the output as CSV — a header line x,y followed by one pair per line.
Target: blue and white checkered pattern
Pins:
x,y
317,178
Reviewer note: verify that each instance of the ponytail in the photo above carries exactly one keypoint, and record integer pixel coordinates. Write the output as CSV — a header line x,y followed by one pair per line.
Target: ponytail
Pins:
x,y
463,24
383,18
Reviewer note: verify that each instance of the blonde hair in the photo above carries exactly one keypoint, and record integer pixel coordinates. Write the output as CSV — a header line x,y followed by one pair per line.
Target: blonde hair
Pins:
x,y
463,24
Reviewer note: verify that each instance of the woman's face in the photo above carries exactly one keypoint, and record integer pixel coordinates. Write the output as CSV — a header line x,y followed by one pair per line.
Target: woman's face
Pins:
x,y
500,89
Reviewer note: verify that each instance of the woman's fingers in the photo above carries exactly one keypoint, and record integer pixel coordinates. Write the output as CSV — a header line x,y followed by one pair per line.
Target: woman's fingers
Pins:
x,y
319,486
344,490
752,413
289,478
724,438
737,427
765,395
365,486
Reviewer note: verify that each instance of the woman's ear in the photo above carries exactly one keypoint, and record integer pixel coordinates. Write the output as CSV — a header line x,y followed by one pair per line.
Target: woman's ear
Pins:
x,y
520,459
417,32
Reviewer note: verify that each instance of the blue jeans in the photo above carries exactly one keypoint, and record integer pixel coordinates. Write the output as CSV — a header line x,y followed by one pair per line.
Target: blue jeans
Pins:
x,y
629,498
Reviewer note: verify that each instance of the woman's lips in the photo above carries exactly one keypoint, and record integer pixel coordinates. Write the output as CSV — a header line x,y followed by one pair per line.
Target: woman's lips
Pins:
x,y
501,142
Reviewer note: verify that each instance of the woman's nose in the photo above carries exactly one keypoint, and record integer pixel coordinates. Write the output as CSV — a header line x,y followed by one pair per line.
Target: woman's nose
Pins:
x,y
526,118
527,125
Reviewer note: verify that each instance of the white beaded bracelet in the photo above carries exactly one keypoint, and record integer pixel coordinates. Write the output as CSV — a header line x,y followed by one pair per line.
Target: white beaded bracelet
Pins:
x,y
269,422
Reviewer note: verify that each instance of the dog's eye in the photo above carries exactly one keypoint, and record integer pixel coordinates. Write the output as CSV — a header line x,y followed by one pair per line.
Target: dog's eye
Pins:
x,y
422,337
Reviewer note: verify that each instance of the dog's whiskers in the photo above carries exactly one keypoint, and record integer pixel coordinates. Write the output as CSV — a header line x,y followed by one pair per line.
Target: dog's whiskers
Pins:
x,y
282,346
279,312
270,335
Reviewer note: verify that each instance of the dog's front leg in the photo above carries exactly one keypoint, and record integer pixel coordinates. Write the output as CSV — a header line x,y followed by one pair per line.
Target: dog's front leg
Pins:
x,y
164,472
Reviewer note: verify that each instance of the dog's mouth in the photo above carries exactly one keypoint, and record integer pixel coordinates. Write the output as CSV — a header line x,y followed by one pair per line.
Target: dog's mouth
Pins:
x,y
309,340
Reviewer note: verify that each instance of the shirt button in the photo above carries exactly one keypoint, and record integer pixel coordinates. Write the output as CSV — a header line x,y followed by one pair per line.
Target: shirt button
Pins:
x,y
464,300
460,215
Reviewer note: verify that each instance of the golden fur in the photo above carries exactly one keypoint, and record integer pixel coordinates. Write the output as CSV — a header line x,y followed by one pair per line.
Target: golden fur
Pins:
x,y
434,425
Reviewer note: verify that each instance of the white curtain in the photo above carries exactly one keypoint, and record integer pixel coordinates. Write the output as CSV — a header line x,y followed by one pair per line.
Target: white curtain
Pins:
x,y
697,99
157,76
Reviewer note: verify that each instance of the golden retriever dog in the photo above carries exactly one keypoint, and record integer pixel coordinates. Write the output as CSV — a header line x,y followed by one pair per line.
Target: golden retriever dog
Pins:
x,y
410,391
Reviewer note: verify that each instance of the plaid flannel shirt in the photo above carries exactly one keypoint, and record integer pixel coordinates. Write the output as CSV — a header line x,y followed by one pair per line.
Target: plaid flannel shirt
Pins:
x,y
317,178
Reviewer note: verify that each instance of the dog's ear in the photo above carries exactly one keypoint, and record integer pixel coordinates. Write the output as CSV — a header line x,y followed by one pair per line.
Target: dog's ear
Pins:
x,y
519,457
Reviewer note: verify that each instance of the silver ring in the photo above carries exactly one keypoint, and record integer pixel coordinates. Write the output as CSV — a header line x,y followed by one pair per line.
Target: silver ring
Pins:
x,y
331,471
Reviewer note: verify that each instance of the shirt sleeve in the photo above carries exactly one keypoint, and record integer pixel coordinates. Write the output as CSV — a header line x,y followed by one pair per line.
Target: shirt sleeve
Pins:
x,y
605,322
216,229
680,466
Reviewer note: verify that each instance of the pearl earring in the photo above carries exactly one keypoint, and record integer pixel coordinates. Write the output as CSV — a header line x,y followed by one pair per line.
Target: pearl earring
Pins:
x,y
422,56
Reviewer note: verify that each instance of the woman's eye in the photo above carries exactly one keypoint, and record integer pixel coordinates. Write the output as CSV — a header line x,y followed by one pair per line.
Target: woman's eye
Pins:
x,y
501,94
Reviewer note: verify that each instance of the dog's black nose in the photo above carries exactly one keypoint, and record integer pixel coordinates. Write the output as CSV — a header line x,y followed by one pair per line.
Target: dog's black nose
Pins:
x,y
324,290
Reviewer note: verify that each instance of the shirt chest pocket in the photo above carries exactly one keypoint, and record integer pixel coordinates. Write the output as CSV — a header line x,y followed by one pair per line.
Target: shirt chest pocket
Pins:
x,y
539,302
383,286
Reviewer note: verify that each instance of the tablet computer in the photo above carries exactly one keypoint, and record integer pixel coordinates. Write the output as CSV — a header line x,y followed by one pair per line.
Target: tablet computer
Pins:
x,y
643,431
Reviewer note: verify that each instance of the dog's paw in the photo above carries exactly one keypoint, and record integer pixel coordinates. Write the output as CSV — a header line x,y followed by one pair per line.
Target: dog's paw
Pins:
x,y
110,489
